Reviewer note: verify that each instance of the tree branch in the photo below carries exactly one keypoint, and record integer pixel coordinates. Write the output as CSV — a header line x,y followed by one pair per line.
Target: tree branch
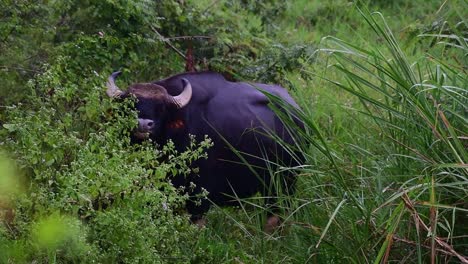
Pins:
x,y
168,43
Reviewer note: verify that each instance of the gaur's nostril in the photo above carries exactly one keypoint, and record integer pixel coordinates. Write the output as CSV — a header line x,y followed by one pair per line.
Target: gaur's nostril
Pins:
x,y
146,125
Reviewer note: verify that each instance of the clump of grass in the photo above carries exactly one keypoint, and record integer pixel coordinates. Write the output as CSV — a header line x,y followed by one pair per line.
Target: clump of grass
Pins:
x,y
391,185
402,194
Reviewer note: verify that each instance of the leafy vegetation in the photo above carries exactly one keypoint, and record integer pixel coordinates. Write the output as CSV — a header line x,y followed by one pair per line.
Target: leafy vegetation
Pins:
x,y
384,102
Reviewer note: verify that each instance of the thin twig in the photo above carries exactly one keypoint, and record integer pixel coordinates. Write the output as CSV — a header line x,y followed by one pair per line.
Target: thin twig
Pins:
x,y
454,237
421,223
189,37
4,40
399,239
165,40
17,69
209,6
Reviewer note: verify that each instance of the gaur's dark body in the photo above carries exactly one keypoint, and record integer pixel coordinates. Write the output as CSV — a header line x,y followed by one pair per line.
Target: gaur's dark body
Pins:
x,y
234,115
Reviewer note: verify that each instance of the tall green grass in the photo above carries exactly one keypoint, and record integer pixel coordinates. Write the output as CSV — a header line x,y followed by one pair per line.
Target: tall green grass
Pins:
x,y
403,194
391,184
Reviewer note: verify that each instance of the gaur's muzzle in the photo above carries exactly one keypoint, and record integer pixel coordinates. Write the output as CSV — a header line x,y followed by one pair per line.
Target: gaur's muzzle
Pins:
x,y
145,128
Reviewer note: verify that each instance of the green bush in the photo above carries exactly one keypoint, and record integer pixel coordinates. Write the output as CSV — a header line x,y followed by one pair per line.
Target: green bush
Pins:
x,y
73,145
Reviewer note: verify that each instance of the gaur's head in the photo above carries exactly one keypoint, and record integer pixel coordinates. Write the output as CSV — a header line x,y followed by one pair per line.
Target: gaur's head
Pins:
x,y
154,104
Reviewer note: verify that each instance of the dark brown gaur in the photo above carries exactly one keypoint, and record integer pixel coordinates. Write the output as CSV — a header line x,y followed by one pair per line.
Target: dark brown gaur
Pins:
x,y
234,115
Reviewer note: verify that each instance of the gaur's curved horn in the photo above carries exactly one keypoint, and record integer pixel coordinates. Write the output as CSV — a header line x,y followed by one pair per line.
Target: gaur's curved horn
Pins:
x,y
112,89
184,97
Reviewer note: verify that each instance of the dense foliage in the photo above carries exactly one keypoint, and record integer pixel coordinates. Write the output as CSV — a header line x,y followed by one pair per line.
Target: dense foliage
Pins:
x,y
384,101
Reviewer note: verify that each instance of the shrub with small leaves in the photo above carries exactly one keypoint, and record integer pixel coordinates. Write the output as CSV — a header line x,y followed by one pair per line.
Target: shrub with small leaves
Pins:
x,y
73,145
